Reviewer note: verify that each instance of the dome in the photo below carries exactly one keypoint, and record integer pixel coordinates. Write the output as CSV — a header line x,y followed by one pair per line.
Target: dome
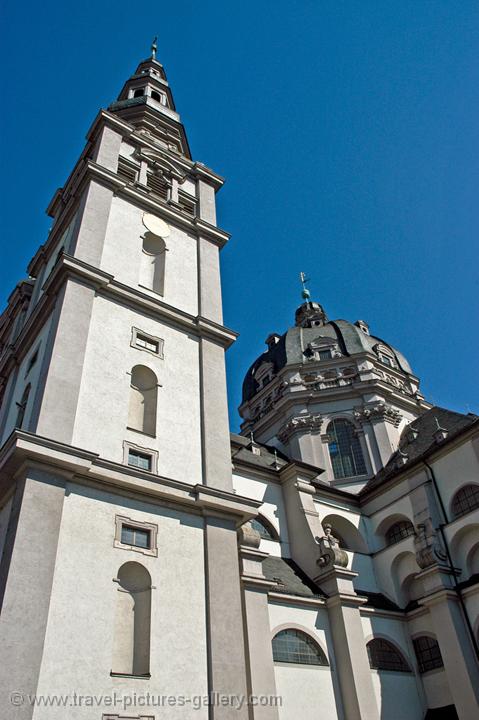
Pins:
x,y
313,328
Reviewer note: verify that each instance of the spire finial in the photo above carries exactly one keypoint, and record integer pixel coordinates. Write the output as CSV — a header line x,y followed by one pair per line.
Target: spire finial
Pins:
x,y
305,294
154,47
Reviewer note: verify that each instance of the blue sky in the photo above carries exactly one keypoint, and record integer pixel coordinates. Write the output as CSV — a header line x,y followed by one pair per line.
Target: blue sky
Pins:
x,y
348,133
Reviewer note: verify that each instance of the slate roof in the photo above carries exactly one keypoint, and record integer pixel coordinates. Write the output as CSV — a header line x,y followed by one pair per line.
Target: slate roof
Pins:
x,y
289,349
423,444
266,459
293,581
378,600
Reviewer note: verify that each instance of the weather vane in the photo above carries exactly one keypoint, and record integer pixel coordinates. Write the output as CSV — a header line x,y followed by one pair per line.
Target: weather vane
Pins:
x,y
154,47
305,294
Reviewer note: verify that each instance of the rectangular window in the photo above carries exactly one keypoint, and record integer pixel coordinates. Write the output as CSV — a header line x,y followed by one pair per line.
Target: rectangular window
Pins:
x,y
135,536
149,343
139,460
144,342
386,360
324,354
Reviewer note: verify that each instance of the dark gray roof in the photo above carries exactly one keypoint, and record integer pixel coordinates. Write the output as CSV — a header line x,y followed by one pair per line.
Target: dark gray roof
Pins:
x,y
289,349
378,600
292,580
266,459
419,447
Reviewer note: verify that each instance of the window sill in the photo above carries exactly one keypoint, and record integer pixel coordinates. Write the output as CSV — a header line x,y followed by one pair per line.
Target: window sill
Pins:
x,y
152,552
146,676
140,432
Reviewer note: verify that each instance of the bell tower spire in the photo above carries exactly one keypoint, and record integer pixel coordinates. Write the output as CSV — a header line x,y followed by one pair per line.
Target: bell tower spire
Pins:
x,y
154,48
146,101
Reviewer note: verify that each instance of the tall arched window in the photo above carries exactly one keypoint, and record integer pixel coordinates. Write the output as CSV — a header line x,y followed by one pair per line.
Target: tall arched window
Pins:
x,y
294,646
399,531
428,653
345,450
384,656
22,407
143,400
152,273
465,500
131,642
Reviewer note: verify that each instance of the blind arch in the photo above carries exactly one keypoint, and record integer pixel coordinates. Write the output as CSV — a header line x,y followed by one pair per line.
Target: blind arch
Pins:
x,y
131,642
153,263
143,400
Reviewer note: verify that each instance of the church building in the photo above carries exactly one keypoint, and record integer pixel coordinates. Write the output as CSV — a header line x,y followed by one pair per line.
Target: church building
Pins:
x,y
323,564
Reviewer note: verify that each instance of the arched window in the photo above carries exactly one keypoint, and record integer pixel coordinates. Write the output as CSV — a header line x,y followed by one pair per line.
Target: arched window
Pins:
x,y
428,653
139,93
384,656
143,400
345,450
152,274
294,646
131,642
22,407
264,528
399,531
465,500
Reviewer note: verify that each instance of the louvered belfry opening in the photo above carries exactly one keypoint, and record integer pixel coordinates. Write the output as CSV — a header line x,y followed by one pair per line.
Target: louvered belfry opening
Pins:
x,y
127,170
158,185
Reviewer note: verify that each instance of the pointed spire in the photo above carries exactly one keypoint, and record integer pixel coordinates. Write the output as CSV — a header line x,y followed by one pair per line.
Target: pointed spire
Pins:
x,y
154,47
310,313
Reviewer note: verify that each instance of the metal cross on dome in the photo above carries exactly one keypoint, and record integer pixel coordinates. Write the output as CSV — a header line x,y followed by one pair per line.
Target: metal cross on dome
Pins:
x,y
305,294
154,47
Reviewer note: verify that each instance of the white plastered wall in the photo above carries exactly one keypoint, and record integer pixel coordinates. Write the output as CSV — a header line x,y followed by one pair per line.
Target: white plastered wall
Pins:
x,y
79,641
271,495
434,682
23,380
102,414
122,252
389,686
360,562
306,690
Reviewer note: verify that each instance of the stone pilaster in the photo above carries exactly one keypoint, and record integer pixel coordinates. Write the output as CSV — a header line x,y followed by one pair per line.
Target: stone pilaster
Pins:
x,y
343,605
26,578
259,653
226,644
460,662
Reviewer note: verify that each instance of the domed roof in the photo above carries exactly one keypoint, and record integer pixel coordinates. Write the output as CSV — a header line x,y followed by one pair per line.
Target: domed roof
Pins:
x,y
311,326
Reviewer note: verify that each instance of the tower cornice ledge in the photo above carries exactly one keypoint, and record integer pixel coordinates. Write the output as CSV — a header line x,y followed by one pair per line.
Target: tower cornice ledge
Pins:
x,y
23,449
105,284
92,171
126,129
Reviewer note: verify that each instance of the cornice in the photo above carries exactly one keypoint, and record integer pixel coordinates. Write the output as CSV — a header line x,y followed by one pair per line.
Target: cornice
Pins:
x,y
308,397
286,599
15,352
23,450
196,226
108,119
106,285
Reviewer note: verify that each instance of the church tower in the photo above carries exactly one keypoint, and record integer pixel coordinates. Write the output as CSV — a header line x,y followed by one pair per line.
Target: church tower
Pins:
x,y
114,426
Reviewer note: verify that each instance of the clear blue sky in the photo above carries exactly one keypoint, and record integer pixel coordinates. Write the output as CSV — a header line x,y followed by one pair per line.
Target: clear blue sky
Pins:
x,y
348,133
